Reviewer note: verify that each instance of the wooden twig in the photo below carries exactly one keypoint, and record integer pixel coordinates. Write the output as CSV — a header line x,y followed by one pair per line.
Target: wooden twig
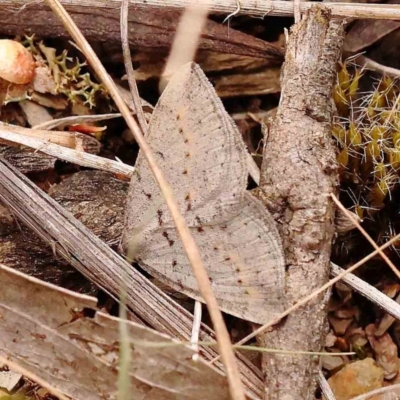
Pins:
x,y
253,8
149,27
297,175
369,292
66,154
99,263
71,140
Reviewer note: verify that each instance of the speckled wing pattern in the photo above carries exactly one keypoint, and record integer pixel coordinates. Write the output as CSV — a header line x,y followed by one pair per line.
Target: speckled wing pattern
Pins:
x,y
202,154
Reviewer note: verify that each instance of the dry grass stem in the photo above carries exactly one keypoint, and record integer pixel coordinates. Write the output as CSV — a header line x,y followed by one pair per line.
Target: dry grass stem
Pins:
x,y
369,292
183,50
354,220
128,66
324,385
66,154
194,339
191,249
253,8
75,119
372,65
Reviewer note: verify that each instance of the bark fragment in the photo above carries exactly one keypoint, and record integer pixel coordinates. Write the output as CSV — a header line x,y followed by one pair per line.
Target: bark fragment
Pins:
x,y
298,174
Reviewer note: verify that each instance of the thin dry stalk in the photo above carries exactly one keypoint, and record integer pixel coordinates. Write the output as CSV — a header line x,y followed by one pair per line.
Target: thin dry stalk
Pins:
x,y
312,295
372,65
66,154
72,140
369,292
191,25
324,385
369,238
75,119
21,370
253,8
297,11
191,249
194,339
128,66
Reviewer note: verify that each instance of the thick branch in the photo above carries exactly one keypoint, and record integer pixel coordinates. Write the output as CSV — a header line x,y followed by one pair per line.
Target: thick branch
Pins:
x,y
147,27
255,8
298,174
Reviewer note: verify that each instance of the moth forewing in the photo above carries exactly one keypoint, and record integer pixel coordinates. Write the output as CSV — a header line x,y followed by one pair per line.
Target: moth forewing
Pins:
x,y
204,158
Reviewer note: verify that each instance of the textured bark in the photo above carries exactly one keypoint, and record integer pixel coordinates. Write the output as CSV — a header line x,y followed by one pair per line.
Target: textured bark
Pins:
x,y
298,175
96,198
27,160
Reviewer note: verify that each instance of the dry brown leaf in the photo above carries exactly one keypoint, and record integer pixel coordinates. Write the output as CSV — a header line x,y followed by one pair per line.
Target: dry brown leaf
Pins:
x,y
43,330
35,113
385,351
50,101
340,325
365,33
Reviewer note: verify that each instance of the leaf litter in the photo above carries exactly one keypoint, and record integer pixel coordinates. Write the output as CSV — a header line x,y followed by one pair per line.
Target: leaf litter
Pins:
x,y
354,322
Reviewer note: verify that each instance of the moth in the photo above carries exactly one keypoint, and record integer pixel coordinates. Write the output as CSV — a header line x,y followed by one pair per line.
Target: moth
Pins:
x,y
203,156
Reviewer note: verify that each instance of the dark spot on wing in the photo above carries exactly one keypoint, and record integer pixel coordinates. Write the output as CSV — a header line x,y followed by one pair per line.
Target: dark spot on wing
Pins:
x,y
180,130
227,258
186,140
211,280
187,155
240,281
174,263
160,154
189,206
237,269
148,195
200,229
160,214
216,248
184,172
198,220
170,241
